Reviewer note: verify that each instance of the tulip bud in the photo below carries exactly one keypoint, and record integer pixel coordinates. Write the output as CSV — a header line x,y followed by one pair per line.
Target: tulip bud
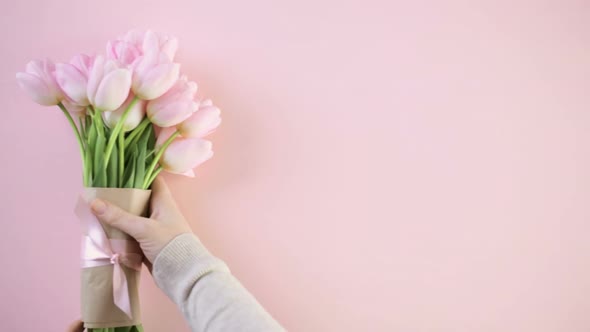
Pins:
x,y
134,117
73,78
174,106
153,75
159,43
39,82
183,154
123,51
108,84
202,122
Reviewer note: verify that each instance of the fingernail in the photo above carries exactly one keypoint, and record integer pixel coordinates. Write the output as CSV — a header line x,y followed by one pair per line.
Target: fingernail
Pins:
x,y
98,206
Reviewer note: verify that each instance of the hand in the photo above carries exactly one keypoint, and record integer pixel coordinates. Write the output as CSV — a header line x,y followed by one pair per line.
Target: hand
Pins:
x,y
76,326
153,234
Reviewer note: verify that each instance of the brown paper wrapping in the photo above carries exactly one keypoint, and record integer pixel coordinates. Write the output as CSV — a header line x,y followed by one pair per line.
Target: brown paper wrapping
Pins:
x,y
98,307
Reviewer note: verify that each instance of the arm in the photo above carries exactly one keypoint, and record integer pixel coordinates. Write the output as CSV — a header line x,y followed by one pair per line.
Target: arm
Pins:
x,y
202,286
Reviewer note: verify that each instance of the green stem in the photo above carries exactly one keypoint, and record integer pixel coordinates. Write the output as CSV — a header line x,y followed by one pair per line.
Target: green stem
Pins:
x,y
148,181
99,124
115,132
137,131
148,174
78,137
121,157
81,123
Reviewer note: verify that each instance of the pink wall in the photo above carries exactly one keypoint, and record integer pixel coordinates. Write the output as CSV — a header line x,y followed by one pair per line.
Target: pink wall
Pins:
x,y
382,166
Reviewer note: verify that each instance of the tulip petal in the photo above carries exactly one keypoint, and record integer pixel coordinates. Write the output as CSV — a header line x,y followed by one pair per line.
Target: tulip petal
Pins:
x,y
37,89
151,43
74,109
163,136
35,67
72,82
185,154
171,114
83,63
95,78
157,81
113,90
190,173
201,123
134,117
39,82
169,48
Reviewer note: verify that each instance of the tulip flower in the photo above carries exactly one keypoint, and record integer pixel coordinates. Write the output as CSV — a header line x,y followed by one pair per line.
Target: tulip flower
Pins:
x,y
125,52
39,82
108,84
182,154
174,106
153,75
134,116
159,43
202,122
73,78
149,41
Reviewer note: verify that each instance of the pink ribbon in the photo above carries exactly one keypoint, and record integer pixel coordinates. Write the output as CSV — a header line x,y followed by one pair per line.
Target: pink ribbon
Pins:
x,y
99,250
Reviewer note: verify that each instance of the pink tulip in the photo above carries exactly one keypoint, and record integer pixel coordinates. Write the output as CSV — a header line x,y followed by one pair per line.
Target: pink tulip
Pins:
x,y
163,44
125,52
134,117
150,41
150,56
202,122
153,75
73,78
39,82
108,84
183,154
174,106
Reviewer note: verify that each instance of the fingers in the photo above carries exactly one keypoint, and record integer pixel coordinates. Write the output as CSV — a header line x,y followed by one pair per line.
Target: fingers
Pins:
x,y
76,326
119,218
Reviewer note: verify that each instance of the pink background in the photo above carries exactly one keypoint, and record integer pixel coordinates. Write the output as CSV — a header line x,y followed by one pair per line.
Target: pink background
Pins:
x,y
382,166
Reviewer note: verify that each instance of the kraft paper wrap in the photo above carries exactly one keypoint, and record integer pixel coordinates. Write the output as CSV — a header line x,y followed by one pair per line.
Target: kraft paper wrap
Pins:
x,y
98,307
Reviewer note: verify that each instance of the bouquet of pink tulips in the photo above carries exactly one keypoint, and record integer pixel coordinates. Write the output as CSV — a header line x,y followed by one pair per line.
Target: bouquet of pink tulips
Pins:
x,y
133,116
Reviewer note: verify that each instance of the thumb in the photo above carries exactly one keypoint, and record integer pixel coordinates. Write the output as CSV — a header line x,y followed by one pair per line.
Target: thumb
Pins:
x,y
115,216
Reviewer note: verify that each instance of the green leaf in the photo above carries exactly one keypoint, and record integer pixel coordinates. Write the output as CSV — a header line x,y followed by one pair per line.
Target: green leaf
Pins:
x,y
130,154
151,144
142,146
121,157
88,153
92,135
112,171
130,167
100,175
131,179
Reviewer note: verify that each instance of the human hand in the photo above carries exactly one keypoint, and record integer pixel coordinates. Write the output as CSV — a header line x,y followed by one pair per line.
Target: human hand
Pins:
x,y
76,326
165,223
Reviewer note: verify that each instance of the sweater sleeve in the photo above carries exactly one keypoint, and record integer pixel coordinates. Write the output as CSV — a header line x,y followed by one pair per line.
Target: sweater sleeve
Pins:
x,y
208,295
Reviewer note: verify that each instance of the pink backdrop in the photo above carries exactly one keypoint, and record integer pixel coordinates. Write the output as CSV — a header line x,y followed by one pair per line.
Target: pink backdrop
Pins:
x,y
382,166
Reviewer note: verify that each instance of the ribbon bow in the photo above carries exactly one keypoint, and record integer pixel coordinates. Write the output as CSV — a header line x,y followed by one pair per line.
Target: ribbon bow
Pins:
x,y
99,250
